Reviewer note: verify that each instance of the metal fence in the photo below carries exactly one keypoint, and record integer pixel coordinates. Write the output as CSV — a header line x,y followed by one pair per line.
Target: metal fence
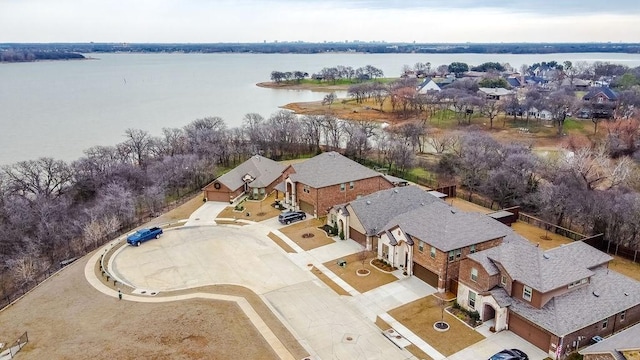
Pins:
x,y
15,347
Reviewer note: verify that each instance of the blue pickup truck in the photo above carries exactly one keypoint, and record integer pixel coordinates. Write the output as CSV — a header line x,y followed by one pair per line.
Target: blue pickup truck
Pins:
x,y
143,235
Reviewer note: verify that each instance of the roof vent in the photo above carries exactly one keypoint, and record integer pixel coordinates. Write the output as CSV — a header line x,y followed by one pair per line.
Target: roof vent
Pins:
x,y
596,294
453,211
422,204
368,202
395,191
546,256
626,294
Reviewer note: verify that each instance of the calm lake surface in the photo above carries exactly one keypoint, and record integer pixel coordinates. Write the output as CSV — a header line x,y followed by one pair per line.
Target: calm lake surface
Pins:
x,y
60,108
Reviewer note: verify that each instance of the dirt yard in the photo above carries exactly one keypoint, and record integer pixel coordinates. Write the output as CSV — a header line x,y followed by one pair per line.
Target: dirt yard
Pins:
x,y
363,284
66,317
307,235
420,315
257,210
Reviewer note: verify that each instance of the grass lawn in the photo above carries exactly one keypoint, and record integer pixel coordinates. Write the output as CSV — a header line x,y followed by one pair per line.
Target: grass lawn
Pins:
x,y
419,317
362,284
307,235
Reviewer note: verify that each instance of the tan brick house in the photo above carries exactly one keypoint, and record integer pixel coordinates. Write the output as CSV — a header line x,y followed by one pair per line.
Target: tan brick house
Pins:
x,y
556,299
316,185
258,175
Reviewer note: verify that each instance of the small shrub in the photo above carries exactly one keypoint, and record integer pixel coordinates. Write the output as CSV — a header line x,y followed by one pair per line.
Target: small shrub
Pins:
x,y
341,234
474,315
456,305
239,207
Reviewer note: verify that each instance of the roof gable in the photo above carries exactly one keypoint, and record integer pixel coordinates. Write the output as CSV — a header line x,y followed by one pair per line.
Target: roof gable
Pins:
x,y
446,228
330,168
581,307
262,170
377,209
605,91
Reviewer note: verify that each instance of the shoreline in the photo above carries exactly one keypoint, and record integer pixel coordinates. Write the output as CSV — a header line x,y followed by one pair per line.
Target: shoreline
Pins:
x,y
310,87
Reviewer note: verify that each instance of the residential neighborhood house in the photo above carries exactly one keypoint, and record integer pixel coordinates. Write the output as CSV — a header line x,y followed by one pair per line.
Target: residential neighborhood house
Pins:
x,y
418,232
556,299
258,176
316,185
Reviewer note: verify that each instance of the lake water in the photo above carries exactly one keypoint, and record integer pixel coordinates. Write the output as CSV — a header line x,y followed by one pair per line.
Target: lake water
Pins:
x,y
60,108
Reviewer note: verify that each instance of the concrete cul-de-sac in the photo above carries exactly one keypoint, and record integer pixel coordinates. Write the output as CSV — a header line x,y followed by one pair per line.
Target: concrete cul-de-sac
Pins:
x,y
329,326
192,256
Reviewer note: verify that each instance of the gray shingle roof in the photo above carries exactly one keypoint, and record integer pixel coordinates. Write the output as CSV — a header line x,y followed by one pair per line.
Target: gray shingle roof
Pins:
x,y
579,308
607,92
328,169
628,339
502,298
377,209
263,170
546,270
441,225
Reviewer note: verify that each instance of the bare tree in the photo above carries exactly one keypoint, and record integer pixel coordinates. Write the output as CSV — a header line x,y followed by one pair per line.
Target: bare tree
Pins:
x,y
332,131
139,144
491,109
34,178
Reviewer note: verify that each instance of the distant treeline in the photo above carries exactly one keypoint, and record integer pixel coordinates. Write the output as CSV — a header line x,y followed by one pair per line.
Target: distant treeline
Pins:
x,y
312,48
22,55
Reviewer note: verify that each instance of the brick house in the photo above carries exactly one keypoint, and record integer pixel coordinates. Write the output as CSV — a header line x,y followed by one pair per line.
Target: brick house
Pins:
x,y
418,232
556,299
362,218
624,345
316,185
258,176
599,103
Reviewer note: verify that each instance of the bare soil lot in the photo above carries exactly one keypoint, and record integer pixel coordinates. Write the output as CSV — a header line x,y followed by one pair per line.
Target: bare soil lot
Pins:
x,y
66,317
363,284
420,315
307,235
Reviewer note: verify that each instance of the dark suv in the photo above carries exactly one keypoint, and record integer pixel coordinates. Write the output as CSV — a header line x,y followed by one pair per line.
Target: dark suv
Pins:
x,y
291,216
513,354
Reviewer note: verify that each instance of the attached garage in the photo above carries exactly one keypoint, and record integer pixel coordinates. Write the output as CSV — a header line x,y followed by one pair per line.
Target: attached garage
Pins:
x,y
528,331
358,237
307,207
216,195
425,274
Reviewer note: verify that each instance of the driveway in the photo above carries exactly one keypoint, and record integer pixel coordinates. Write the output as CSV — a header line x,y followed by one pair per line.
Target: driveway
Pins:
x,y
496,342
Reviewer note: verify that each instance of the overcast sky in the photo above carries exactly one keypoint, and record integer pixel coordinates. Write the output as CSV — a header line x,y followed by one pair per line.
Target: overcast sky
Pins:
x,y
319,20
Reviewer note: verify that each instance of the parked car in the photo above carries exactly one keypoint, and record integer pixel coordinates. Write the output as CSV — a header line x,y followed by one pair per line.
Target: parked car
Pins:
x,y
510,354
143,235
596,339
291,216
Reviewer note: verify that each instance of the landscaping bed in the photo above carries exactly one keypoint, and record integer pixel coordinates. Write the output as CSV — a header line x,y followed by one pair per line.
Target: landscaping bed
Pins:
x,y
348,273
419,316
